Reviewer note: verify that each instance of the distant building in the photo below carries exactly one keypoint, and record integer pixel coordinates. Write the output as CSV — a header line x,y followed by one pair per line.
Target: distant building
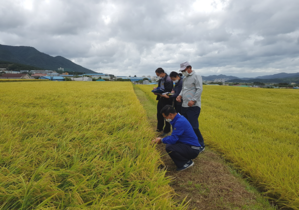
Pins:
x,y
145,82
36,76
15,76
12,72
106,77
241,85
53,78
134,79
103,76
71,75
42,71
24,71
86,79
53,74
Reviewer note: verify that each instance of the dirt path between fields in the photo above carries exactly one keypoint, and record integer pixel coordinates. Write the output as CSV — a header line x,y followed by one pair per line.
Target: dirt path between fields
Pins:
x,y
210,184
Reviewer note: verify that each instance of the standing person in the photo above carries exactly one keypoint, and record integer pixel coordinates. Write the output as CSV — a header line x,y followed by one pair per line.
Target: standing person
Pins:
x,y
164,83
191,96
182,146
177,88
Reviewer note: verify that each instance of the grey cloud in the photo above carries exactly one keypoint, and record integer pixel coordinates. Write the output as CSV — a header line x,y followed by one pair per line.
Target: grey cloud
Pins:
x,y
135,37
11,16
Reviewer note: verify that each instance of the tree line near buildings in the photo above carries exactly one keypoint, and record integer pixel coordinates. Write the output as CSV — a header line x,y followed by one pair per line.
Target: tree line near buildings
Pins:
x,y
260,84
277,82
10,66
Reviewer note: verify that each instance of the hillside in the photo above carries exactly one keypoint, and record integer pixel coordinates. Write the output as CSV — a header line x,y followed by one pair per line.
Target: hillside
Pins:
x,y
16,66
32,57
221,76
276,80
279,75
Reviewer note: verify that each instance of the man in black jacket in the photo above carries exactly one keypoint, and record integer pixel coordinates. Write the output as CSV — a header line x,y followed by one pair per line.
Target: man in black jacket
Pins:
x,y
177,88
164,83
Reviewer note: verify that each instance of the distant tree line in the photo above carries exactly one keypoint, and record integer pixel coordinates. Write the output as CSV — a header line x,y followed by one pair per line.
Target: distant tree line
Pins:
x,y
17,67
120,79
216,83
284,84
268,81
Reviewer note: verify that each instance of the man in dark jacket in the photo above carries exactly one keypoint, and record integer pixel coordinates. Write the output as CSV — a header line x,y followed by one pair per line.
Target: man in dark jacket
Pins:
x,y
164,83
182,146
177,88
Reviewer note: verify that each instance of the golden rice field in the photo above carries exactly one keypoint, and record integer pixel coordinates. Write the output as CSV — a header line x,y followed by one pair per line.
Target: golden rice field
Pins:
x,y
77,145
258,131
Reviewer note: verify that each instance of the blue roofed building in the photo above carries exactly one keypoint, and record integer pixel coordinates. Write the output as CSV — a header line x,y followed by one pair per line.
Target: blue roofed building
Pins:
x,y
103,76
134,79
53,78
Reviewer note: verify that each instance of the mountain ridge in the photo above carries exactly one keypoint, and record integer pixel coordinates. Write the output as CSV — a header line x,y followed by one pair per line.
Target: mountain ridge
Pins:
x,y
30,56
221,76
277,77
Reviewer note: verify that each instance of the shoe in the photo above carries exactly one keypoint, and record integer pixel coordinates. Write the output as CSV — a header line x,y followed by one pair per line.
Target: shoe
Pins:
x,y
201,149
158,131
189,164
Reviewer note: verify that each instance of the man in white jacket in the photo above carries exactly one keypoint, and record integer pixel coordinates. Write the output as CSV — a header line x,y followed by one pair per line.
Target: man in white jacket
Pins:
x,y
191,97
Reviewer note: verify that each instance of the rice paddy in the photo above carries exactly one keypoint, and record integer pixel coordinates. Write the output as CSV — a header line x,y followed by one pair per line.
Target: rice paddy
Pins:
x,y
75,145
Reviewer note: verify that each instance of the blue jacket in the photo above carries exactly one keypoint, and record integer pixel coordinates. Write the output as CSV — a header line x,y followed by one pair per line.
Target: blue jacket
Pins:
x,y
182,132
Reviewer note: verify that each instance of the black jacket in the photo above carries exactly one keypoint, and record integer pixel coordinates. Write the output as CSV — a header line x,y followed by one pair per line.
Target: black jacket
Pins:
x,y
168,84
177,88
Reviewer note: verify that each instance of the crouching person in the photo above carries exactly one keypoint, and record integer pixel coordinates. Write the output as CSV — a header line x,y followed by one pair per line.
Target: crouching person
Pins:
x,y
182,146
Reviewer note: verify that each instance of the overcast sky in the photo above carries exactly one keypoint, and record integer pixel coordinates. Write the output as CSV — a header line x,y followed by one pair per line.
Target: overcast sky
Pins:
x,y
233,37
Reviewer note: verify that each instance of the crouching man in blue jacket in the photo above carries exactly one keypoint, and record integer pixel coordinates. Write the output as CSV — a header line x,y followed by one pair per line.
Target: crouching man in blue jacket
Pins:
x,y
182,146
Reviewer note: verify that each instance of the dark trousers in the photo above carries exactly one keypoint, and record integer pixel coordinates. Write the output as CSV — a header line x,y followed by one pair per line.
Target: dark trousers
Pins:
x,y
161,121
181,153
192,114
177,106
